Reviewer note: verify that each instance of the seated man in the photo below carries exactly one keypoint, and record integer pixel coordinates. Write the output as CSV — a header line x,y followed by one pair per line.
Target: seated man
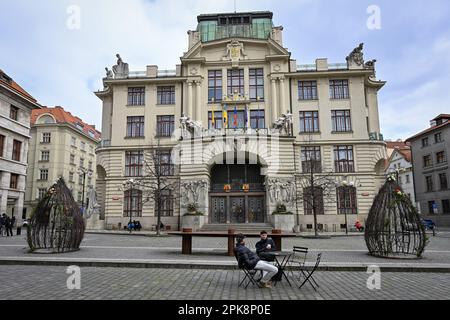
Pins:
x,y
137,225
264,246
251,261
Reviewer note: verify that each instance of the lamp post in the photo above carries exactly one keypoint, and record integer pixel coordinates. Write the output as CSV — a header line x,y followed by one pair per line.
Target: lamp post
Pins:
x,y
84,172
130,184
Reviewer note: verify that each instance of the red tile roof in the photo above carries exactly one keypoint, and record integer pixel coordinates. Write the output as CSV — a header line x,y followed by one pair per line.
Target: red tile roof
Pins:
x,y
397,144
63,116
11,84
406,153
442,116
431,129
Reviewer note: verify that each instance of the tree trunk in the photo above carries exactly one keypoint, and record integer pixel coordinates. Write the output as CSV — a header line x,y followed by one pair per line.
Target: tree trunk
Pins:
x,y
158,212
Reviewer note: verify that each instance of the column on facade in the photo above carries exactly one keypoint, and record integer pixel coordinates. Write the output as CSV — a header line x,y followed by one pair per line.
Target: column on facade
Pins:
x,y
282,107
274,100
190,99
198,107
4,192
19,208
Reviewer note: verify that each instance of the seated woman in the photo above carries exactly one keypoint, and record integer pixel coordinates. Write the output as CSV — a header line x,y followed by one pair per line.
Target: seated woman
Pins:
x,y
264,247
359,226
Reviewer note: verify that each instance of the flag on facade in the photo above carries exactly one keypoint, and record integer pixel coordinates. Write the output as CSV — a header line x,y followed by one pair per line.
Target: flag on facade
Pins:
x,y
225,116
213,119
235,116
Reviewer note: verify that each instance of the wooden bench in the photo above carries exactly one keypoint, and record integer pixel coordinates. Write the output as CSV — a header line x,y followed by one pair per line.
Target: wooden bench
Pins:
x,y
187,234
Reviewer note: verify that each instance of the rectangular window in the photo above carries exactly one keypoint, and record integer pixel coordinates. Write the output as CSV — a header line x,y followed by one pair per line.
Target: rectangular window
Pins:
x,y
89,181
135,127
311,159
429,183
80,179
236,120
166,203
309,200
43,174
71,177
45,155
408,180
17,148
425,142
440,157
41,193
343,159
165,165
133,203
90,165
446,206
431,206
218,121
165,126
235,82
256,84
309,121
2,145
215,86
82,146
257,119
46,137
438,137
341,120
80,196
14,113
166,95
307,90
81,162
427,161
346,200
136,96
339,89
134,163
73,141
72,159
14,182
443,181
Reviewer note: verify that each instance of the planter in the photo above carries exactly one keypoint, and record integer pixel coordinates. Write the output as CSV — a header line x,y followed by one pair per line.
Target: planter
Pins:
x,y
194,222
284,222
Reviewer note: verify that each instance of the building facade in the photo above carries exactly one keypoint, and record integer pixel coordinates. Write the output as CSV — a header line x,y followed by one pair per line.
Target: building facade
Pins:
x,y
400,164
15,111
431,170
241,125
62,145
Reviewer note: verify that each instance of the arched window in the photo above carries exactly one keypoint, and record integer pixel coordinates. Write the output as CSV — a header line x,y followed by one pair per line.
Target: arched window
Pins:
x,y
133,203
346,200
46,119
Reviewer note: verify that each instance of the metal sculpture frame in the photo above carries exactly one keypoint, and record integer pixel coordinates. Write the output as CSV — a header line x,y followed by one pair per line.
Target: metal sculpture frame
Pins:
x,y
393,227
57,224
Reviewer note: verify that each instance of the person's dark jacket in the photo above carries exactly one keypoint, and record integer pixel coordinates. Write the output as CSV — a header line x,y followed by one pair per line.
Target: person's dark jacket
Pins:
x,y
246,257
261,246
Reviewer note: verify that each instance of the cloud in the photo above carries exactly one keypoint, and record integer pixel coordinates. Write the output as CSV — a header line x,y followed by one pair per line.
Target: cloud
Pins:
x,y
63,67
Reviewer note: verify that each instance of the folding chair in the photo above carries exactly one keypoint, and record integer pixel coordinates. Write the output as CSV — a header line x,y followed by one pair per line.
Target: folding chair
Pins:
x,y
297,260
249,275
309,274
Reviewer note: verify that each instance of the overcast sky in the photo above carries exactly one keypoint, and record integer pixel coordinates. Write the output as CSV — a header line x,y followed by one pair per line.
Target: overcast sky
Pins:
x,y
62,65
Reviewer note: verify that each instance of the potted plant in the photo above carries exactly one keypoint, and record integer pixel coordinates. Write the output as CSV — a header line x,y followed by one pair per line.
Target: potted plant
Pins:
x,y
193,219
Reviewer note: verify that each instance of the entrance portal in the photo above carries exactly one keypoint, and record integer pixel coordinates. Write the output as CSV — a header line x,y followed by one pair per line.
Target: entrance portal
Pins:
x,y
237,195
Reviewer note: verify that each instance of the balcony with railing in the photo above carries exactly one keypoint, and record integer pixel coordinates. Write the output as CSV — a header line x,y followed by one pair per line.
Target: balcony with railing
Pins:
x,y
211,31
313,67
104,144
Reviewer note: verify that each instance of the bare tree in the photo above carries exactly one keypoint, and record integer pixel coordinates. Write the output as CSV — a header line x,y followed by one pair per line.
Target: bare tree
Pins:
x,y
313,185
159,184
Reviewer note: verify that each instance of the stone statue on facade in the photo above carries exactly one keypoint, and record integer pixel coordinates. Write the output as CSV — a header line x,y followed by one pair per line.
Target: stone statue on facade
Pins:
x,y
109,73
121,68
235,51
189,126
357,56
281,191
283,124
192,190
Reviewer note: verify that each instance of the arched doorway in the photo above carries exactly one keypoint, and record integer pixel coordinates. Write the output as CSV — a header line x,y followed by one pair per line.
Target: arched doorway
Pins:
x,y
237,194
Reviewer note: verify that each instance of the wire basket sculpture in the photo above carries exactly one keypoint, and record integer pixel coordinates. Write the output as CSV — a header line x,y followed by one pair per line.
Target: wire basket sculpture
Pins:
x,y
57,225
393,227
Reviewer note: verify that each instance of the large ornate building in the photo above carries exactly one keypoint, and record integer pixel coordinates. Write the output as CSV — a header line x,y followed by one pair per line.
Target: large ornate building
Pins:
x,y
240,125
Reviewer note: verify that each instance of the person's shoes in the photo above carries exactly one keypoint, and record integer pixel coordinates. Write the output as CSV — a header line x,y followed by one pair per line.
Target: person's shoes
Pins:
x,y
265,285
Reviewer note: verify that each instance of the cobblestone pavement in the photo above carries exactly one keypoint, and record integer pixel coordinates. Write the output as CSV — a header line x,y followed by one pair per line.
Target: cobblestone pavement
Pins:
x,y
49,283
335,250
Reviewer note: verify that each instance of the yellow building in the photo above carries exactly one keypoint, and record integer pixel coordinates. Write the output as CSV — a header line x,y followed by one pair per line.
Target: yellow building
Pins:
x,y
241,122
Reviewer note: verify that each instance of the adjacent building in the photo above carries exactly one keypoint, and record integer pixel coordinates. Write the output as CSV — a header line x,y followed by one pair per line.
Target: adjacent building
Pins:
x,y
62,145
400,164
15,111
431,169
240,125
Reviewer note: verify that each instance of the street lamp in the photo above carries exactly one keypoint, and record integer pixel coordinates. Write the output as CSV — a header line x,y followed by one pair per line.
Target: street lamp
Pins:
x,y
84,172
130,184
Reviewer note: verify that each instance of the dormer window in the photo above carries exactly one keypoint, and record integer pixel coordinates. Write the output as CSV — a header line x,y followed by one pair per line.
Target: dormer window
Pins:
x,y
79,126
